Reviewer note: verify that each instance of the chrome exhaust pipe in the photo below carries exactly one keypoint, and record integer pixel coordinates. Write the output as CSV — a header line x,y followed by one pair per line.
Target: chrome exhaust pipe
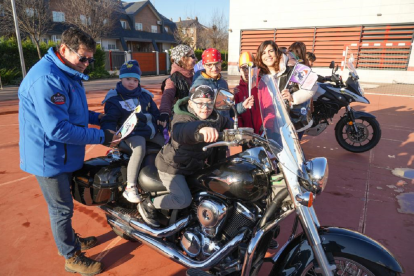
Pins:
x,y
158,232
169,250
142,227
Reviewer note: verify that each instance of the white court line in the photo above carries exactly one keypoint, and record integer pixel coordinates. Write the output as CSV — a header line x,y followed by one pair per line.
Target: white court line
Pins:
x,y
17,180
108,248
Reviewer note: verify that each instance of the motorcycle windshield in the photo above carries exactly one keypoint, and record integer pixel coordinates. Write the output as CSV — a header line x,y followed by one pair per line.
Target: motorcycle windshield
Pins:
x,y
350,65
279,130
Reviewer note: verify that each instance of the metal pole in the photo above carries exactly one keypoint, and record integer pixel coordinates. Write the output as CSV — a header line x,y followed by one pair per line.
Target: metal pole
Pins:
x,y
19,41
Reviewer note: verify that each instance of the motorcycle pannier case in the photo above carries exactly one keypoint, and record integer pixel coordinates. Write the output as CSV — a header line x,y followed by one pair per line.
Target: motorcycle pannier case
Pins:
x,y
97,182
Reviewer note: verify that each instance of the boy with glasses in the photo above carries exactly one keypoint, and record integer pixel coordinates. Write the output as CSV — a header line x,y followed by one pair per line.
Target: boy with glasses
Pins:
x,y
183,154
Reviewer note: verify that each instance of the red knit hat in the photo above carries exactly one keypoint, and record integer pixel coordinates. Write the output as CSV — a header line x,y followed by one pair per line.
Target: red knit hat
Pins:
x,y
211,55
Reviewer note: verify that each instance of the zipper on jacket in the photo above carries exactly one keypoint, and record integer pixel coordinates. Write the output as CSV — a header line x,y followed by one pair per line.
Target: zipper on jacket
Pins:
x,y
66,154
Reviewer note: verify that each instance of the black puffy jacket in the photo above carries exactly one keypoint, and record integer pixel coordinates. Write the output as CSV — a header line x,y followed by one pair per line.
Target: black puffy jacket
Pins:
x,y
183,154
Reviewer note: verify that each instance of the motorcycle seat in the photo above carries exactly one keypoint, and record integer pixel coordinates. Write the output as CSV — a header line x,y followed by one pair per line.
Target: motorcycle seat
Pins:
x,y
149,180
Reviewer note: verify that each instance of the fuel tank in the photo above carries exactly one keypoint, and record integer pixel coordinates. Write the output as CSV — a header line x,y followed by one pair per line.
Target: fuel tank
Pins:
x,y
235,177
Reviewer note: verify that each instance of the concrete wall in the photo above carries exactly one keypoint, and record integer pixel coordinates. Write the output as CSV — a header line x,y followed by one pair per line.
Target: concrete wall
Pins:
x,y
266,14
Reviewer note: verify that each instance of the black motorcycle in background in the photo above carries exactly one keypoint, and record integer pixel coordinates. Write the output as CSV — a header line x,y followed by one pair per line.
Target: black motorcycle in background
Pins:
x,y
356,131
238,204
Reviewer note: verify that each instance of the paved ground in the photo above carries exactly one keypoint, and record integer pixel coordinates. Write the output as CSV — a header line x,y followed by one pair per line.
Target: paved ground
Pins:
x,y
362,194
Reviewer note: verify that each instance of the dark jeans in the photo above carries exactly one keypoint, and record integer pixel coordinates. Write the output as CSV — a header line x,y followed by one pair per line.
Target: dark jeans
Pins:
x,y
56,191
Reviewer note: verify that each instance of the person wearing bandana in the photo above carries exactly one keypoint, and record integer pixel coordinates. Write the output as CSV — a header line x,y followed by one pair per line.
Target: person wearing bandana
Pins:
x,y
183,154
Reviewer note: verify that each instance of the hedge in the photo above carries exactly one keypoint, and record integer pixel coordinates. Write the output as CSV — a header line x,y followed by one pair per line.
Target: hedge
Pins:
x,y
10,68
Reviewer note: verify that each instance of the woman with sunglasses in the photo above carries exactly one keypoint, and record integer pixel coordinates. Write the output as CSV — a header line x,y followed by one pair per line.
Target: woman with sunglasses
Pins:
x,y
177,86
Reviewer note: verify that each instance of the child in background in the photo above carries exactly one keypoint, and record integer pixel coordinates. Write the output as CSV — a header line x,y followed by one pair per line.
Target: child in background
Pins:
x,y
252,117
119,103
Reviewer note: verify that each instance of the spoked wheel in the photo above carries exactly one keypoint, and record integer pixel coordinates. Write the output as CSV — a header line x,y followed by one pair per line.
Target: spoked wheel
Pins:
x,y
365,138
352,266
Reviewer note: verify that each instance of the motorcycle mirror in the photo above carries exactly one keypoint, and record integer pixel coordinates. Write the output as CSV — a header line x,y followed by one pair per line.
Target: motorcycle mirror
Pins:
x,y
332,65
224,100
336,69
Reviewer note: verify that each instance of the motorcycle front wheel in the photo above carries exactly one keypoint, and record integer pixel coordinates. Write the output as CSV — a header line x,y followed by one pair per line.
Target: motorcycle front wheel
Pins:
x,y
366,137
350,265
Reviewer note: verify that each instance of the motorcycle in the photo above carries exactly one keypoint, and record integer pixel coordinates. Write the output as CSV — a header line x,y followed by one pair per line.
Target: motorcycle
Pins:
x,y
238,204
356,131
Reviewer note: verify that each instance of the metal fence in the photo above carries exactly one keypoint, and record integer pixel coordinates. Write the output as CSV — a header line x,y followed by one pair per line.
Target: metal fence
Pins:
x,y
114,60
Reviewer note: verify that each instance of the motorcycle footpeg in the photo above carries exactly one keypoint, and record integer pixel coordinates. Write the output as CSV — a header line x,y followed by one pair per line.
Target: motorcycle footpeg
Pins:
x,y
196,272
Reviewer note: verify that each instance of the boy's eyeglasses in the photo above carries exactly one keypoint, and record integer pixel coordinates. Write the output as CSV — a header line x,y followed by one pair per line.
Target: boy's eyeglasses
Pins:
x,y
211,65
82,58
201,105
192,56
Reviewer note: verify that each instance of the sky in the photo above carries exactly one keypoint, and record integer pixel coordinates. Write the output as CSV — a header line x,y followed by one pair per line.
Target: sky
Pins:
x,y
204,10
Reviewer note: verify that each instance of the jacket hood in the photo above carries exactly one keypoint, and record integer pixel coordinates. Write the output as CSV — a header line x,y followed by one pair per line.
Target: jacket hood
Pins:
x,y
186,73
51,56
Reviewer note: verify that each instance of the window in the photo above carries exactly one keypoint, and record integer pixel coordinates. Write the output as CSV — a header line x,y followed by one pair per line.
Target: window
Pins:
x,y
58,16
30,12
111,46
191,30
154,29
83,19
124,24
138,26
184,31
56,38
166,29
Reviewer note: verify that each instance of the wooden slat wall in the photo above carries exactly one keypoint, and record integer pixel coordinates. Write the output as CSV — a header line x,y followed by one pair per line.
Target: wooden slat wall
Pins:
x,y
284,38
250,40
328,44
385,47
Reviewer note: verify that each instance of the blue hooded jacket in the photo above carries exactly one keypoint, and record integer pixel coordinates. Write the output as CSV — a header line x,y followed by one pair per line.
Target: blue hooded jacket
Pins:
x,y
54,118
120,102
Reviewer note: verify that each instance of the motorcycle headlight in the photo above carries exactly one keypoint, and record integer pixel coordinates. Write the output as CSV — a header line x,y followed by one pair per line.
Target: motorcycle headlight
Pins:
x,y
318,172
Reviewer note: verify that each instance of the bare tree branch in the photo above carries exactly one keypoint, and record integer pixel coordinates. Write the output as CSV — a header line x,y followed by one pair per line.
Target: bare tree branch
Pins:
x,y
95,17
216,36
182,37
34,18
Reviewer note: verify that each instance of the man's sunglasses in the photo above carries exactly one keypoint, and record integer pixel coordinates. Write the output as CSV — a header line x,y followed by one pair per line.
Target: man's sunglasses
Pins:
x,y
82,58
192,56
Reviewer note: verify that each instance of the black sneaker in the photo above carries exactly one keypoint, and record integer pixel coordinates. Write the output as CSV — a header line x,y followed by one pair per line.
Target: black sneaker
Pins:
x,y
148,212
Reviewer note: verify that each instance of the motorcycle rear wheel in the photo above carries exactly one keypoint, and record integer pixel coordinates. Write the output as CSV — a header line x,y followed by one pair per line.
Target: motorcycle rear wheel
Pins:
x,y
350,265
367,137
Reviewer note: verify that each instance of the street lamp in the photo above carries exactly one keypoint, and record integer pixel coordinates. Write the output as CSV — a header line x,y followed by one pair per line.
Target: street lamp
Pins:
x,y
19,41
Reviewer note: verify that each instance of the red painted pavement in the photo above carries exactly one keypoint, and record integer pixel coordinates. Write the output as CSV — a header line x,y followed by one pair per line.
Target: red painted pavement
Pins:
x,y
359,196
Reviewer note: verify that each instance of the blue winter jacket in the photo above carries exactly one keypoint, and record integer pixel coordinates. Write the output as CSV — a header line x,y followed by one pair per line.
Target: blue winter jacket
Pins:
x,y
54,118
120,102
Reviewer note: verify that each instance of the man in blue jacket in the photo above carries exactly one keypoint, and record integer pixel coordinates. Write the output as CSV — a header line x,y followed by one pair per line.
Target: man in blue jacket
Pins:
x,y
53,124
